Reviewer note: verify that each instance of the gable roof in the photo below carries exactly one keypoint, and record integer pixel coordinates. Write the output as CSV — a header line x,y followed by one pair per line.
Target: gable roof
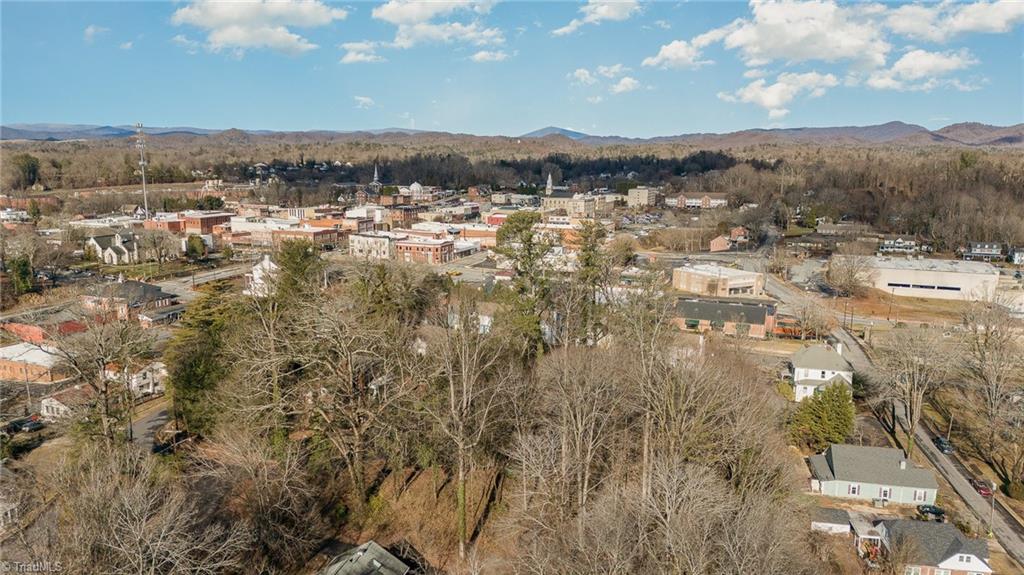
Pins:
x,y
367,559
830,515
135,293
878,465
933,542
820,356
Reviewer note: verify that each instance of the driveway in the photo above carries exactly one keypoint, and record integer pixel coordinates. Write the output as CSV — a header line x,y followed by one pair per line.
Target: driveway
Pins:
x,y
149,418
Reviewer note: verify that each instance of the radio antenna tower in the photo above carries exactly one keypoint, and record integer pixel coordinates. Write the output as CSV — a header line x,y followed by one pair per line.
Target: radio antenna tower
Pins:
x,y
140,143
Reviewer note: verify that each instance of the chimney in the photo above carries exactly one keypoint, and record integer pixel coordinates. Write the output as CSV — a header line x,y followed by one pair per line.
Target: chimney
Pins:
x,y
903,464
839,348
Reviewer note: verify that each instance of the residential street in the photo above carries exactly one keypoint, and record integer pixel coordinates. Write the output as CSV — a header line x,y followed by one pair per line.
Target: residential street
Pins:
x,y
1006,529
150,417
182,287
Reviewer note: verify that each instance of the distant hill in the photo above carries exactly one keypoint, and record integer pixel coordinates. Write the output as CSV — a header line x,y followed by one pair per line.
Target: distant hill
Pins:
x,y
553,131
888,134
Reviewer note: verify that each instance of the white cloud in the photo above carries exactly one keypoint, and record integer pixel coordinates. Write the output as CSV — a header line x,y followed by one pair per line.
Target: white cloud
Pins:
x,y
597,11
626,84
239,26
755,73
775,97
612,71
489,56
664,25
364,102
190,46
127,45
676,54
582,76
943,21
360,52
92,31
923,70
800,31
409,35
595,99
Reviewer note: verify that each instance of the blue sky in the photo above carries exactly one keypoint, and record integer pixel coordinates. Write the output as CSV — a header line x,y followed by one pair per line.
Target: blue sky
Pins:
x,y
618,67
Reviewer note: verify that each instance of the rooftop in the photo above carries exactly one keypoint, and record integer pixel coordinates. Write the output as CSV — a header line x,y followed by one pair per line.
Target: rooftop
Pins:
x,y
933,543
712,270
820,356
30,354
734,311
879,465
951,266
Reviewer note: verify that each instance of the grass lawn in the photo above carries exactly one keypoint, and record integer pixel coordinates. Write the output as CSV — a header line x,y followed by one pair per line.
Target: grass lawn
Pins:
x,y
796,231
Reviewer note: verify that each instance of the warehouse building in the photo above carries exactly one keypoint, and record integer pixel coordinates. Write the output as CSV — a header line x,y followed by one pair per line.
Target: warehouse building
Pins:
x,y
937,279
719,281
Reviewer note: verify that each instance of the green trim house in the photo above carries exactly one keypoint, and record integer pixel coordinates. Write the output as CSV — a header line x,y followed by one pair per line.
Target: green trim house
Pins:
x,y
870,474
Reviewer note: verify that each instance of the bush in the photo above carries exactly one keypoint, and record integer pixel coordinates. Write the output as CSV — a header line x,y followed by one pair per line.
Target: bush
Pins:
x,y
1016,490
827,417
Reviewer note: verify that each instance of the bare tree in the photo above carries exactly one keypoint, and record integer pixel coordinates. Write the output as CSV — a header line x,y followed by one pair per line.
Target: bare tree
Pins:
x,y
158,245
813,319
914,364
475,381
849,275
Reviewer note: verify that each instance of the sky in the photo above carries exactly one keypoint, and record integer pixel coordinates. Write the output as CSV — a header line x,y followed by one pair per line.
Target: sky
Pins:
x,y
486,67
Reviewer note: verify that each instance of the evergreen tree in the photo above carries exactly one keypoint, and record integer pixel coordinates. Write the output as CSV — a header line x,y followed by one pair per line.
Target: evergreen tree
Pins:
x,y
826,417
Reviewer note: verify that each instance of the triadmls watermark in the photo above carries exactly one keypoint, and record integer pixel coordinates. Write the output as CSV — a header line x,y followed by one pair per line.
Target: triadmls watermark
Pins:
x,y
31,567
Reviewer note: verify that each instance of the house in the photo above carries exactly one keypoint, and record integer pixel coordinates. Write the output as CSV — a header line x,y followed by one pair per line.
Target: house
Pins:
x,y
127,298
29,363
900,245
143,380
366,559
739,235
1017,256
816,367
831,521
935,548
702,201
161,316
754,319
63,403
719,244
983,251
258,281
118,248
718,281
871,474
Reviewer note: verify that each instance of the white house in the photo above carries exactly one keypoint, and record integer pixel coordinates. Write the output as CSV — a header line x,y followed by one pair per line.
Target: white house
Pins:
x,y
114,249
145,380
257,281
61,404
871,474
817,366
935,548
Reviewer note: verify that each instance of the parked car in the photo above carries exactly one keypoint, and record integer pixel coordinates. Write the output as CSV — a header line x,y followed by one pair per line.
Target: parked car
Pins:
x,y
31,426
944,445
982,486
931,513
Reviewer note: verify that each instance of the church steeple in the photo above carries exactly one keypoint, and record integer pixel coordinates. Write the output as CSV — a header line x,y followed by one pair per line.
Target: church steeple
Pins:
x,y
550,187
376,175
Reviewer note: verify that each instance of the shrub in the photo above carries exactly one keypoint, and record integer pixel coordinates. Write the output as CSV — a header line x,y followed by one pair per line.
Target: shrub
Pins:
x,y
1016,490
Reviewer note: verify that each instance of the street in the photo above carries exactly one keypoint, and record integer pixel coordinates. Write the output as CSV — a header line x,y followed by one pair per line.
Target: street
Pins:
x,y
182,287
149,418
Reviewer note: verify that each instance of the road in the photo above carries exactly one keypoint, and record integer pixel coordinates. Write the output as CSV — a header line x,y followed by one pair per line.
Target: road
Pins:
x,y
182,287
149,418
1005,528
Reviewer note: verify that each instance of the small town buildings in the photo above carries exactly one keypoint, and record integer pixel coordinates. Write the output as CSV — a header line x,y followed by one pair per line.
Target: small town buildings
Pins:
x,y
718,281
26,362
934,548
643,197
739,235
426,251
870,474
754,319
38,329
169,222
322,238
142,380
258,282
118,248
828,228
817,366
983,251
830,520
900,245
931,278
161,316
63,403
719,244
573,204
702,201
1017,256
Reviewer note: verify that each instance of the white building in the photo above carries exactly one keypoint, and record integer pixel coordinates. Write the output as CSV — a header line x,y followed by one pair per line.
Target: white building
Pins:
x,y
258,281
143,380
378,214
642,197
816,367
374,245
937,279
63,403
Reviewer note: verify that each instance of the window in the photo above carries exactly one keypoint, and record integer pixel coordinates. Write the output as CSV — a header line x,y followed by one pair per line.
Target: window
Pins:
x,y
920,495
883,492
853,489
823,374
942,572
963,558
914,570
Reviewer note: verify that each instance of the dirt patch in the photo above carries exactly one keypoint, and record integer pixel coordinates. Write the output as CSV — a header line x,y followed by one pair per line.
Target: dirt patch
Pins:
x,y
884,306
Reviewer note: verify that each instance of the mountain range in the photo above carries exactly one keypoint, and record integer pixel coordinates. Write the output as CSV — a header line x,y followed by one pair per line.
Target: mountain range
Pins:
x,y
891,133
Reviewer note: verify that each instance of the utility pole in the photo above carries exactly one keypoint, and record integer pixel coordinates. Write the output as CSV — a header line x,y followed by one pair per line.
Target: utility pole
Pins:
x,y
140,143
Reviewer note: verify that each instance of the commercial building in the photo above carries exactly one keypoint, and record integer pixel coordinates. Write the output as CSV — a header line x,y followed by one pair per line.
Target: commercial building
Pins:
x,y
323,238
643,197
733,317
373,245
426,251
718,281
26,362
201,223
938,279
702,201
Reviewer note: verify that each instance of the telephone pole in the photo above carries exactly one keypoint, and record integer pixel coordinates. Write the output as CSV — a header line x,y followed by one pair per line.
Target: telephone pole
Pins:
x,y
140,143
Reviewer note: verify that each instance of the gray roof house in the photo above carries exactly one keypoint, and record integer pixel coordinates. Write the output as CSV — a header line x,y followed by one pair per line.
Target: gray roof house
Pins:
x,y
871,473
830,520
366,559
938,546
817,366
